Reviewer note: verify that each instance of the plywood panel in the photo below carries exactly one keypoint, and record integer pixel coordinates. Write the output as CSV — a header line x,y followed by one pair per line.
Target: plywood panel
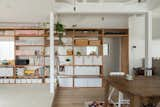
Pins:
x,y
124,54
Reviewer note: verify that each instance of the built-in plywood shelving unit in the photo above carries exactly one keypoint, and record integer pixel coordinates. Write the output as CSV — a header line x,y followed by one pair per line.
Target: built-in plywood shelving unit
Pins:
x,y
69,76
79,73
79,60
28,65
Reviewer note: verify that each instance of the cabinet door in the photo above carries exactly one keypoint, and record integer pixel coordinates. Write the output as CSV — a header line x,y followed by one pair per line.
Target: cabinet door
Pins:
x,y
79,60
80,82
87,70
88,82
97,60
88,60
65,82
6,71
68,70
94,82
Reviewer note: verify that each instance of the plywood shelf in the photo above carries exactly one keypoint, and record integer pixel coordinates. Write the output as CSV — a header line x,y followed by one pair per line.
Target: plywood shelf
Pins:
x,y
115,35
30,77
23,28
6,77
87,45
33,35
87,65
87,76
3,36
7,66
27,65
30,55
62,45
30,45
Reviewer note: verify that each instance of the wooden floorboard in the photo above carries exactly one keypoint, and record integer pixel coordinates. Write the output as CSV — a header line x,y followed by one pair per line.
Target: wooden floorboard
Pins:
x,y
76,97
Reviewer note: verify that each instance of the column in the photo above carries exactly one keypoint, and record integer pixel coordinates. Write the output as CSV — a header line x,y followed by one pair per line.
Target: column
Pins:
x,y
148,43
52,53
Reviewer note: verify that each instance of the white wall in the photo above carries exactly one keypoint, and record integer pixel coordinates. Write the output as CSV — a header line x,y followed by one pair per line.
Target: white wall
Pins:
x,y
156,37
136,38
156,28
95,20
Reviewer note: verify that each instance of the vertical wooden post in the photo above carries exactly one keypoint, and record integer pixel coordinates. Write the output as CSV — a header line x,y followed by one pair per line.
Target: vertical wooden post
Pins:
x,y
148,43
52,53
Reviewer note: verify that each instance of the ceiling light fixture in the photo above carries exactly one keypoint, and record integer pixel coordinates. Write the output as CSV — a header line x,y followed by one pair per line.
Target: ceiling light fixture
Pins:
x,y
74,11
74,6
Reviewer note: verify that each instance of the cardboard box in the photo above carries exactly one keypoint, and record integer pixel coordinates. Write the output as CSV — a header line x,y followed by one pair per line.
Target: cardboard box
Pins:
x,y
95,42
69,52
81,42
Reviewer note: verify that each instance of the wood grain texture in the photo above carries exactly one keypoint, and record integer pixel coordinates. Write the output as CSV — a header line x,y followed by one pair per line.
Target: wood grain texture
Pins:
x,y
138,89
124,54
76,97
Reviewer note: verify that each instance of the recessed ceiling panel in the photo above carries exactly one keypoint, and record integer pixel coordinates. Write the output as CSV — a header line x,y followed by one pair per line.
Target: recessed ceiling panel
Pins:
x,y
93,0
116,0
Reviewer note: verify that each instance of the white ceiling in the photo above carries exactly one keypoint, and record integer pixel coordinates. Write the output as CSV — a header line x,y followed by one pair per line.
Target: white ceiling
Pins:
x,y
94,0
36,10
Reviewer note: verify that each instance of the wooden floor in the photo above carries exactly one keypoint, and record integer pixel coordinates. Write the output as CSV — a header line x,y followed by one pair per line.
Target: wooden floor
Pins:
x,y
69,97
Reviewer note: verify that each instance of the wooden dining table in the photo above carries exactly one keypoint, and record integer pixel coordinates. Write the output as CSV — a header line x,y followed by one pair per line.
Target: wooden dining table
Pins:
x,y
141,90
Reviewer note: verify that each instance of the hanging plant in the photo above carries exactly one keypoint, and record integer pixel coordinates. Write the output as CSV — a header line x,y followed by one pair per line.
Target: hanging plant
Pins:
x,y
60,31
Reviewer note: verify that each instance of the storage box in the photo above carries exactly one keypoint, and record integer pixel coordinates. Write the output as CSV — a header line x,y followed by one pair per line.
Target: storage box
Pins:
x,y
69,52
95,42
81,42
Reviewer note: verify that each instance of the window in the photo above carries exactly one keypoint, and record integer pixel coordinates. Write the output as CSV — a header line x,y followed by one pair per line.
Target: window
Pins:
x,y
6,48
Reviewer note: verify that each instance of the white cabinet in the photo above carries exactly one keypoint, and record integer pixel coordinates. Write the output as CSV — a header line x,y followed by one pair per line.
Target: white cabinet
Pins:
x,y
28,81
6,71
87,70
97,60
78,60
80,82
88,82
65,82
68,70
88,60
7,81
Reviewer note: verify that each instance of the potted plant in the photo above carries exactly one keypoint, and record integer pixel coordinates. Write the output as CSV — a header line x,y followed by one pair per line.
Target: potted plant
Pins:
x,y
60,31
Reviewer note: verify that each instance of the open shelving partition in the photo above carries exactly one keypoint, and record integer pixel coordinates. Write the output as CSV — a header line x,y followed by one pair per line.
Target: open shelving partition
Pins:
x,y
72,34
25,50
75,78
